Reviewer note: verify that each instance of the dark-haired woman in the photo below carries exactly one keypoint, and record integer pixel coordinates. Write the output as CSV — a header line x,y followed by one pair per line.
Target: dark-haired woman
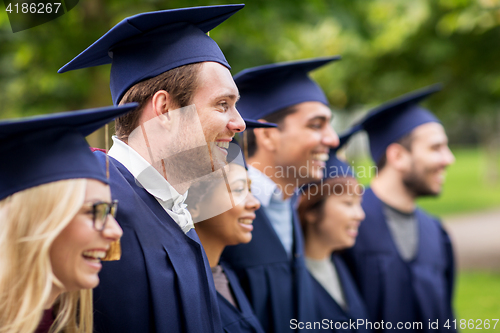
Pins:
x,y
223,209
330,213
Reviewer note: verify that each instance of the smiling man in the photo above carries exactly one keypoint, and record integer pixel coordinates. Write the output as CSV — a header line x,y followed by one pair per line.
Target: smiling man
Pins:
x,y
402,260
271,267
185,120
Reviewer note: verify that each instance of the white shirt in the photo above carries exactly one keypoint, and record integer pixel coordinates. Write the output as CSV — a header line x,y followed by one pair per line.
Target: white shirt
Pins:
x,y
152,181
278,210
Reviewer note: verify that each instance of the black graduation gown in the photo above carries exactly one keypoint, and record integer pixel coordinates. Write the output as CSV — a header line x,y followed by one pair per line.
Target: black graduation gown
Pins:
x,y
163,282
329,309
395,290
234,320
280,289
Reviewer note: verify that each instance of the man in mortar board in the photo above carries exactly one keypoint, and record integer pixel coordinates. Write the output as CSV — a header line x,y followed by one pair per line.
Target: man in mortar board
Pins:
x,y
271,267
186,118
402,260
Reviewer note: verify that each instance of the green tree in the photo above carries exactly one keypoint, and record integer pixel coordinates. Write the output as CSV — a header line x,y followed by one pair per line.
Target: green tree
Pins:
x,y
389,47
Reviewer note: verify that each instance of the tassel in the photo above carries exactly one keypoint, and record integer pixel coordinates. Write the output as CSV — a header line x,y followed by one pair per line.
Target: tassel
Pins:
x,y
114,253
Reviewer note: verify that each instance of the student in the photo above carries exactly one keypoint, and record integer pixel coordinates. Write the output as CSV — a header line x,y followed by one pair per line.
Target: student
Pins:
x,y
330,213
186,118
57,221
225,209
403,260
271,267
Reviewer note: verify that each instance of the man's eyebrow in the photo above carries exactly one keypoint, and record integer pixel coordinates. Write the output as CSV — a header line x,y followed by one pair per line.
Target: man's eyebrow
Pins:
x,y
322,118
228,95
442,142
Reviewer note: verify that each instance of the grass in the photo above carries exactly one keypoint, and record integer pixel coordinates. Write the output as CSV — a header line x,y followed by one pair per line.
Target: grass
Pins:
x,y
466,188
477,296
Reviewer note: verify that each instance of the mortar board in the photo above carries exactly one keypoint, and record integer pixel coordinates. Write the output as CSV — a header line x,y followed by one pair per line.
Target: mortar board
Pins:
x,y
148,44
44,149
250,123
267,89
391,121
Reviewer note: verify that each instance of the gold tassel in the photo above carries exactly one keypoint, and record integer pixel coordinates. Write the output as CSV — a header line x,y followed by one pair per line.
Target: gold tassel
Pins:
x,y
114,253
106,142
245,145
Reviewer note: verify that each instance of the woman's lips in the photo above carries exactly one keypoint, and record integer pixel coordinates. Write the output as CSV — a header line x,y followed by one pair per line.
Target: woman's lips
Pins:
x,y
246,223
93,257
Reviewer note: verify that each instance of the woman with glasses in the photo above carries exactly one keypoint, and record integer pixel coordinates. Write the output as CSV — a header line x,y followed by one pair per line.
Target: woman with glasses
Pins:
x,y
57,221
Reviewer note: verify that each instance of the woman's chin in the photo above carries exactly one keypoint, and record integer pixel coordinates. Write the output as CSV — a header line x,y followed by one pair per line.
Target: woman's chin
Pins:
x,y
246,239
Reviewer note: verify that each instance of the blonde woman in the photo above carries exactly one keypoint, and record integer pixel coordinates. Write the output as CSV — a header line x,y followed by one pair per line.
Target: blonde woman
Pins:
x,y
57,221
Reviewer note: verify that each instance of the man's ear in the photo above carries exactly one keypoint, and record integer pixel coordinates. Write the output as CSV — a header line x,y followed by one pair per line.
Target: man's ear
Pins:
x,y
266,138
162,103
398,156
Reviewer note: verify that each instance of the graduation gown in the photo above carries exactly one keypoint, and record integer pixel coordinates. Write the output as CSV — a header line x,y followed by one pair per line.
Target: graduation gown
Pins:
x,y
163,282
329,309
395,290
234,320
280,289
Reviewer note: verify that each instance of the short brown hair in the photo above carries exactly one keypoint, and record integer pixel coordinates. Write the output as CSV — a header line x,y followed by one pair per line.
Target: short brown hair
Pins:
x,y
406,141
277,118
181,83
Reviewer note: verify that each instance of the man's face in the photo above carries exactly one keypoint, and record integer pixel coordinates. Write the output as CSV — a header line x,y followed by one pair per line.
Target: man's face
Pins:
x,y
215,101
429,158
303,143
188,143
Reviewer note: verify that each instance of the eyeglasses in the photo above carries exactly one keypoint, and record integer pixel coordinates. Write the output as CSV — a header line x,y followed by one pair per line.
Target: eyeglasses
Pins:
x,y
100,212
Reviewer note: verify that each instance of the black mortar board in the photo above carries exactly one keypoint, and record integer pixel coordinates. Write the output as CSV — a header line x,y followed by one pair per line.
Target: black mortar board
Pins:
x,y
44,149
391,121
148,44
267,89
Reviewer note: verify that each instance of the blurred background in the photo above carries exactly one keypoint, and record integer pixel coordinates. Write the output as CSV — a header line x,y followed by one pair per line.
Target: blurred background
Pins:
x,y
389,48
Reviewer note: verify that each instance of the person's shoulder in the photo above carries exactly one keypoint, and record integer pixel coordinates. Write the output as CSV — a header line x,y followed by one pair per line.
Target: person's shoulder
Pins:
x,y
435,220
425,213
371,203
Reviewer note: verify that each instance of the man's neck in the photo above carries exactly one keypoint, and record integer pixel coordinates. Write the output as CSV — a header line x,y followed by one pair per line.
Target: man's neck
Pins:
x,y
142,150
391,190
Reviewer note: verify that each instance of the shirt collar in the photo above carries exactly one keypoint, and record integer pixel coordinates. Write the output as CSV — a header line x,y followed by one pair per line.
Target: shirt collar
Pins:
x,y
263,187
146,175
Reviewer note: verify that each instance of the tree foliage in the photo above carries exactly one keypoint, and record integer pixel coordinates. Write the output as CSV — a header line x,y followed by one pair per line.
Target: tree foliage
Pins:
x,y
389,47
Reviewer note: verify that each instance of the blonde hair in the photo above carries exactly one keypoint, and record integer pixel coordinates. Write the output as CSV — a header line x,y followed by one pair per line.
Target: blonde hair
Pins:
x,y
30,222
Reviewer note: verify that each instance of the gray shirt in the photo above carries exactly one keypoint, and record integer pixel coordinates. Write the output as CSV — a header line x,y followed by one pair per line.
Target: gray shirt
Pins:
x,y
222,284
404,231
325,273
